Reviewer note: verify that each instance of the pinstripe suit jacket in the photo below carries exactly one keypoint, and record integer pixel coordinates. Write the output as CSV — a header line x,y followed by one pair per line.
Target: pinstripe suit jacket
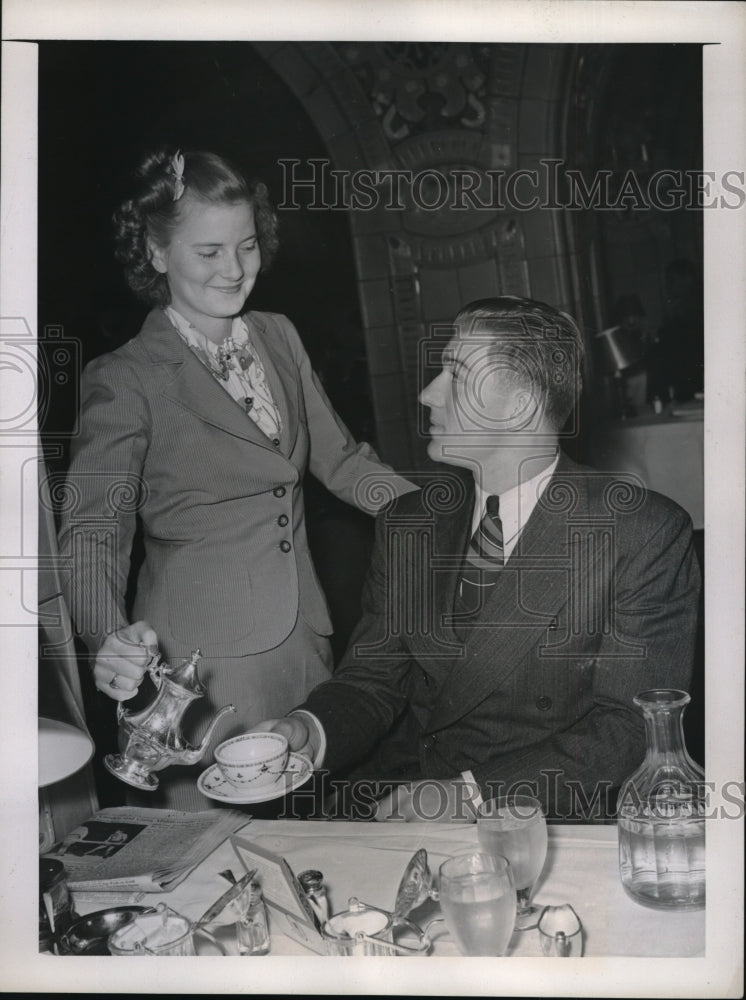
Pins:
x,y
227,564
598,602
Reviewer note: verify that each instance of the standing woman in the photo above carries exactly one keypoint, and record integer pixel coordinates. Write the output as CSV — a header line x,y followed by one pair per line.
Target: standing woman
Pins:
x,y
202,426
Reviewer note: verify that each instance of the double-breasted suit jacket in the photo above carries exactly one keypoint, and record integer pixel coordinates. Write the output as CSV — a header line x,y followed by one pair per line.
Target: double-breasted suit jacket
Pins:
x,y
598,601
227,566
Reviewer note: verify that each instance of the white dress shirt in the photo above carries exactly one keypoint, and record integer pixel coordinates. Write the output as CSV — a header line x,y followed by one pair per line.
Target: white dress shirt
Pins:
x,y
516,505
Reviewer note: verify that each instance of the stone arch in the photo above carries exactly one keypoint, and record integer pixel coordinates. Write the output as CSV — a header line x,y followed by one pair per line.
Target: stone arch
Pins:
x,y
430,107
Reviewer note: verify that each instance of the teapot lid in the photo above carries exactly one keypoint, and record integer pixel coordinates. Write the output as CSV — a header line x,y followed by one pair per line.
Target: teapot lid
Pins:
x,y
185,675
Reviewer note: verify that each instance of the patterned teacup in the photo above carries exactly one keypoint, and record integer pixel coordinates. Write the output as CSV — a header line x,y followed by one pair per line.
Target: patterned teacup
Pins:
x,y
252,760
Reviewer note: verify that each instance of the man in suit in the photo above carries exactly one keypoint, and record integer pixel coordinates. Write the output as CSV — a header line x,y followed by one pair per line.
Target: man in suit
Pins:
x,y
508,623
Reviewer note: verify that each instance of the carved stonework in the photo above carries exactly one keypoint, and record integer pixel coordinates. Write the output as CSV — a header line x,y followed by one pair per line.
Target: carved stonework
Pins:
x,y
445,109
417,87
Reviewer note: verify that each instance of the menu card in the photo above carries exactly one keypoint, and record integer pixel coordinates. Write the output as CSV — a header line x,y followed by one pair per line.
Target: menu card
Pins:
x,y
290,912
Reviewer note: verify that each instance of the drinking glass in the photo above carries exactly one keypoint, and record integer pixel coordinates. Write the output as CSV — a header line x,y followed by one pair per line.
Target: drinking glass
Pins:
x,y
513,826
477,897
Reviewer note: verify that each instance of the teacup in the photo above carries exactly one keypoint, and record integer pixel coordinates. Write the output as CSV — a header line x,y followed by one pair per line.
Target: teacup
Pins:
x,y
253,760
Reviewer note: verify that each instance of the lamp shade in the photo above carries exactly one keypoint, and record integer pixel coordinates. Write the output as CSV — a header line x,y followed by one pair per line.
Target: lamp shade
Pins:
x,y
63,750
617,348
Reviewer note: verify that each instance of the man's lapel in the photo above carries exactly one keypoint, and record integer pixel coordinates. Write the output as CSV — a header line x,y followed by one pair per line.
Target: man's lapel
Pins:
x,y
528,596
451,533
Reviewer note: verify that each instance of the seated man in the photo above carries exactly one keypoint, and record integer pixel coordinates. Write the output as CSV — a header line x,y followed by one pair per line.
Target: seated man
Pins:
x,y
509,622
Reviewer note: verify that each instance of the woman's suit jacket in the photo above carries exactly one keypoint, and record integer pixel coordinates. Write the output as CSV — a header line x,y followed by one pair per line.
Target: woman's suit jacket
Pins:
x,y
227,565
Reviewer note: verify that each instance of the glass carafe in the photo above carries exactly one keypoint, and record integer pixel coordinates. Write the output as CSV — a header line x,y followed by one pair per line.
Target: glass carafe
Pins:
x,y
661,812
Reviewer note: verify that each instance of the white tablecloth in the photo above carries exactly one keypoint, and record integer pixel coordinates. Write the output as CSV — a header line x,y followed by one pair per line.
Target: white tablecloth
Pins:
x,y
367,860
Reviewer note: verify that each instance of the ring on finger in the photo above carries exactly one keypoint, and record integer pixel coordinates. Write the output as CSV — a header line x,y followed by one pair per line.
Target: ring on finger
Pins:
x,y
114,683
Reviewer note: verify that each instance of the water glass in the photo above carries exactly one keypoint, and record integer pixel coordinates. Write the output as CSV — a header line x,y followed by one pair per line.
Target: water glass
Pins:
x,y
477,897
514,827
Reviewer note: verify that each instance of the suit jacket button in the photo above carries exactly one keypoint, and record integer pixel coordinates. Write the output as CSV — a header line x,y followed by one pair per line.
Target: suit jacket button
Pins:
x,y
279,491
543,703
282,520
276,442
285,545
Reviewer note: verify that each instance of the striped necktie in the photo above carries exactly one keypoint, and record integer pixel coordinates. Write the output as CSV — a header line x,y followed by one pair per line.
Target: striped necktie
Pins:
x,y
485,556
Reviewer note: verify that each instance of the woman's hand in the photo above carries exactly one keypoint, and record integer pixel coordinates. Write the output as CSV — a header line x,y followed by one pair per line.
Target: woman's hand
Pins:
x,y
123,659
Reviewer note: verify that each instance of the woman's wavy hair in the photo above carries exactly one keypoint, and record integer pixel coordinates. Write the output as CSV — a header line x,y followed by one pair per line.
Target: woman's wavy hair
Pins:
x,y
153,213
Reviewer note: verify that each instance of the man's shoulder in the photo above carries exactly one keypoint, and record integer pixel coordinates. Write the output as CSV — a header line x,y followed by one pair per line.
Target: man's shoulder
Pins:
x,y
439,493
621,496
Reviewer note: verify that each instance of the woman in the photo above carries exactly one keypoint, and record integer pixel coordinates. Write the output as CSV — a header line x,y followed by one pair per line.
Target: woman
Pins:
x,y
203,426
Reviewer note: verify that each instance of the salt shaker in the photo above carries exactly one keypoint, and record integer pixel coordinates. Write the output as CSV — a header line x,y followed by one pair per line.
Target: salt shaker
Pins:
x,y
312,883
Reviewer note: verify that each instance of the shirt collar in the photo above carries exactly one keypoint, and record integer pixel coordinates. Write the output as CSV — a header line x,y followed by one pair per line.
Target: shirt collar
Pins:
x,y
189,332
516,504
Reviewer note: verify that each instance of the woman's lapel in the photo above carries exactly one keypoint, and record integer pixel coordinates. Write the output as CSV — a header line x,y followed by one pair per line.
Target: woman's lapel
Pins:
x,y
281,375
191,386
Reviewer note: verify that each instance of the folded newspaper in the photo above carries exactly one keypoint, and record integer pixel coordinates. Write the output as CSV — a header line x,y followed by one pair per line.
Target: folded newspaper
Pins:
x,y
150,850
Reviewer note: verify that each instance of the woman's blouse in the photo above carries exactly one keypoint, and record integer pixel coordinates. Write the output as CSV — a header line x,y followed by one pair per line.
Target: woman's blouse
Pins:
x,y
236,365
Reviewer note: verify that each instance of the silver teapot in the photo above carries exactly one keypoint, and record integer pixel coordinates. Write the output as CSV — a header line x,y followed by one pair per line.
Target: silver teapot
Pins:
x,y
151,739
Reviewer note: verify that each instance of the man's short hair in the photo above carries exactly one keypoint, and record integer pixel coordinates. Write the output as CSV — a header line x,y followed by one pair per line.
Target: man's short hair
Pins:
x,y
540,346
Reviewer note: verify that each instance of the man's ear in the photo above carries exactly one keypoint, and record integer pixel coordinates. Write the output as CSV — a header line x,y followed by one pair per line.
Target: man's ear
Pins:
x,y
524,403
157,256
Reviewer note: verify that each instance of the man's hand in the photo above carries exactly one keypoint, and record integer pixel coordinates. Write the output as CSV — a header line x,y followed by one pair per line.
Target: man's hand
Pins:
x,y
429,801
298,731
123,658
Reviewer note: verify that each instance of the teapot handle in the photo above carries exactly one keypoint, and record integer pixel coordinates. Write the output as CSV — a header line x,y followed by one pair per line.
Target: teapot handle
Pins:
x,y
155,667
156,671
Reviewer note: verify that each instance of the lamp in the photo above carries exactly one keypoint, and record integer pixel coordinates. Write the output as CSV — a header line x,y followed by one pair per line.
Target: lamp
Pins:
x,y
617,349
63,750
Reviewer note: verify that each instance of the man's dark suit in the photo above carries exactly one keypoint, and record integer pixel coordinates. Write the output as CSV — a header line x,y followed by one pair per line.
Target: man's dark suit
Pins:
x,y
597,602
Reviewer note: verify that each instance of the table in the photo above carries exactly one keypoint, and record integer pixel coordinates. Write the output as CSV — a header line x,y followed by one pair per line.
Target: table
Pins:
x,y
367,860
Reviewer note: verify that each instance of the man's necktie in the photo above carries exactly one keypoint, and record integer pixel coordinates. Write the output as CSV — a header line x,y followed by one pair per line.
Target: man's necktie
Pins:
x,y
485,557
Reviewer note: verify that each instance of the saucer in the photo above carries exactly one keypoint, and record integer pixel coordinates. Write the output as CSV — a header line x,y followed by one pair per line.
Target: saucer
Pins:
x,y
213,784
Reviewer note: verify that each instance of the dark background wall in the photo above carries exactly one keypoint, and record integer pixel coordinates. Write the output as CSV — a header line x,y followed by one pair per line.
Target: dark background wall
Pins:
x,y
104,104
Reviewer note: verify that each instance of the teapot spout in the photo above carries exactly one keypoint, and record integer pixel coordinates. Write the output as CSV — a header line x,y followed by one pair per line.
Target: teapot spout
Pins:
x,y
197,753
